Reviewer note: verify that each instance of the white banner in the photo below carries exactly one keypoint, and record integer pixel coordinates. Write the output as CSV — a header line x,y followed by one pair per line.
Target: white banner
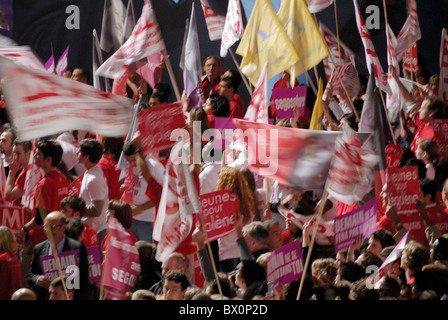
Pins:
x,y
233,27
43,104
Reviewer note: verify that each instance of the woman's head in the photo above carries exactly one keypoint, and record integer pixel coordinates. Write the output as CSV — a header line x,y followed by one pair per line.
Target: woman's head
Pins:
x,y
7,240
122,212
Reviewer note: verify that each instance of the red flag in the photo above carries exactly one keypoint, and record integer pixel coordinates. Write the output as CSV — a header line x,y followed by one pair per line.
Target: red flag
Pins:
x,y
258,108
443,82
214,22
121,263
128,194
371,56
75,187
178,203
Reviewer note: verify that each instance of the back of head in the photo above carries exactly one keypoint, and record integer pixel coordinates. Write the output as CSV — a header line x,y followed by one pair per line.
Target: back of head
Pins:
x,y
75,228
439,249
145,250
351,271
113,146
388,288
428,186
51,148
122,211
384,237
416,254
421,167
24,294
7,240
143,294
251,272
359,291
220,106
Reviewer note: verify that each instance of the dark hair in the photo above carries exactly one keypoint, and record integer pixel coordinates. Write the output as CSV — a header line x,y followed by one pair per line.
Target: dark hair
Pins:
x,y
163,87
50,148
25,144
178,277
231,83
439,249
92,148
160,95
75,227
428,186
351,271
251,271
122,211
435,104
236,78
129,149
421,167
114,146
84,73
389,287
220,105
76,203
384,237
350,118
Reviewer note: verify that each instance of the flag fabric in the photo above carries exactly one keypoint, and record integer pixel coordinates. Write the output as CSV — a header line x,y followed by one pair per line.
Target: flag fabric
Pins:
x,y
396,253
129,22
410,32
193,65
24,56
178,202
298,158
315,6
233,27
316,117
257,110
97,59
32,178
443,82
49,65
145,40
348,178
215,22
265,41
152,70
304,34
340,54
112,25
43,104
62,63
121,258
347,72
371,57
2,179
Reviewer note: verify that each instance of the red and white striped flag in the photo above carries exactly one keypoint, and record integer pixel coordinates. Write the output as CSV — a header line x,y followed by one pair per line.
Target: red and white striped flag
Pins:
x,y
349,77
32,178
341,54
410,32
443,82
178,203
257,111
395,100
318,5
24,56
214,22
371,56
145,40
233,27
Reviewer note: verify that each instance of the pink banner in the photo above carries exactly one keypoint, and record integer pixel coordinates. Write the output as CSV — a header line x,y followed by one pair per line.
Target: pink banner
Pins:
x,y
122,264
94,258
403,188
218,209
285,264
157,124
348,226
66,259
441,136
286,99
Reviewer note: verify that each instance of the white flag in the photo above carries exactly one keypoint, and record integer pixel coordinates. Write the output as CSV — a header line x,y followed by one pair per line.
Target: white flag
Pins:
x,y
214,22
233,28
112,25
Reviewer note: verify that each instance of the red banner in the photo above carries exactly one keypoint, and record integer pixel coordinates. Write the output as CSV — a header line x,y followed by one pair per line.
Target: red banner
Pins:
x,y
218,209
410,62
441,136
12,217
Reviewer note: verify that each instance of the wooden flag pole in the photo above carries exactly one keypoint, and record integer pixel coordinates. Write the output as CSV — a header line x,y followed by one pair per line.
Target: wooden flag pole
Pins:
x,y
171,73
249,88
310,248
387,117
337,30
210,252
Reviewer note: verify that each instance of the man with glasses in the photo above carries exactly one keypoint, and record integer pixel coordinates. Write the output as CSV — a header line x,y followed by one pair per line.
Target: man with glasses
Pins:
x,y
54,225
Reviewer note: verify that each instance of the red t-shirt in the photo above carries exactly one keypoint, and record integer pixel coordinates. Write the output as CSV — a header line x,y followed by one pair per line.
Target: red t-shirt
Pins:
x,y
208,86
20,183
237,108
50,190
112,175
344,208
423,132
90,237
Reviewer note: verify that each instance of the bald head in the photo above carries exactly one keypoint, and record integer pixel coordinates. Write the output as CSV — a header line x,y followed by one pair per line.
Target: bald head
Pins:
x,y
24,294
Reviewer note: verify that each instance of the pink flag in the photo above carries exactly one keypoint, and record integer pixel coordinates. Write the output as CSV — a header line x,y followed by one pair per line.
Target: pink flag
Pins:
x,y
62,64
371,56
152,71
178,203
145,40
214,22
257,110
410,32
341,54
75,187
128,194
32,178
121,263
233,27
318,5
396,253
443,82
49,65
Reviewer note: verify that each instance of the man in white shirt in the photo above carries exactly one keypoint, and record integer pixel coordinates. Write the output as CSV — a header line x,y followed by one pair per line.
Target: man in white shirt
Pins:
x,y
94,189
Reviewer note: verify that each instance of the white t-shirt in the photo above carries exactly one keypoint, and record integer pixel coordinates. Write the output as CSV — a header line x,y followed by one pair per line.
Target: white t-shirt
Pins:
x,y
94,187
209,177
140,197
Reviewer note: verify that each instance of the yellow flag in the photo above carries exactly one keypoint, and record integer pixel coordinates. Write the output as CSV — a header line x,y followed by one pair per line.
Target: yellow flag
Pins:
x,y
265,41
304,34
316,117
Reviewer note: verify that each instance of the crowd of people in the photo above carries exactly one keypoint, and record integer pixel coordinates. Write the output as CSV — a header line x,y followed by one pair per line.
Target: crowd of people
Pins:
x,y
234,266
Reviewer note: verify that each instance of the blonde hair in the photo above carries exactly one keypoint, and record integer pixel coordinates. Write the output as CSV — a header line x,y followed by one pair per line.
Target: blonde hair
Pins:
x,y
232,179
7,240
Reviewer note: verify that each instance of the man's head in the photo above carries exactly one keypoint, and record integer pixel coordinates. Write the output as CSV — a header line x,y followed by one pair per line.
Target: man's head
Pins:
x,y
56,290
24,294
175,285
379,240
275,234
90,152
130,153
73,206
80,74
256,235
21,151
174,262
428,190
220,106
210,67
6,139
429,108
49,154
164,88
157,98
56,222
227,88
